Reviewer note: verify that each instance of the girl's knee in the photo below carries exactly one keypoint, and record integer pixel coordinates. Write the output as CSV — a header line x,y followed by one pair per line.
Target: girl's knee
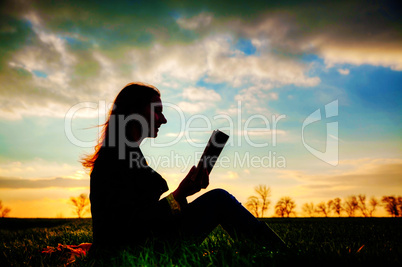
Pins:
x,y
221,195
219,192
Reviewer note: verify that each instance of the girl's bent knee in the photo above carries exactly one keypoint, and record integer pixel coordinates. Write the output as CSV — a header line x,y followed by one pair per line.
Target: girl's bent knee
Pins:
x,y
221,195
218,192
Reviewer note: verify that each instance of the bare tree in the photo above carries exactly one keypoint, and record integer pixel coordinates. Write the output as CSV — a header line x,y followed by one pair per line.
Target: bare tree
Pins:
x,y
80,203
323,208
399,202
253,204
373,205
361,199
285,206
392,206
260,202
337,206
309,208
351,206
4,210
264,192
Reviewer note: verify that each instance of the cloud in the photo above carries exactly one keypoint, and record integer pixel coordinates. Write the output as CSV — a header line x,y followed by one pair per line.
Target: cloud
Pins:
x,y
17,183
198,99
199,21
255,98
354,32
55,67
200,94
376,55
344,71
46,77
216,60
266,69
41,168
37,76
361,176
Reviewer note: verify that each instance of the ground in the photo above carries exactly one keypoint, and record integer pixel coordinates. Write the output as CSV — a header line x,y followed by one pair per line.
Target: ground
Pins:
x,y
314,241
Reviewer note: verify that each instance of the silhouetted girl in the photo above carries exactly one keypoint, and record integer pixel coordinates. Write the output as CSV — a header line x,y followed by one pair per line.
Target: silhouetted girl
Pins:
x,y
125,192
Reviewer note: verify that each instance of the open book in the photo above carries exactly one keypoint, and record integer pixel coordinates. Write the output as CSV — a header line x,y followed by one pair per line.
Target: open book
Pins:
x,y
211,153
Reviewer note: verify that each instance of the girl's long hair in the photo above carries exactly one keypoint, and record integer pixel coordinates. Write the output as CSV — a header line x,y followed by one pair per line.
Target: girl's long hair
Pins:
x,y
133,98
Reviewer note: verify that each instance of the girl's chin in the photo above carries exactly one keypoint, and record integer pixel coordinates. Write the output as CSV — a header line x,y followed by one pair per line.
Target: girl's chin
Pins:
x,y
155,134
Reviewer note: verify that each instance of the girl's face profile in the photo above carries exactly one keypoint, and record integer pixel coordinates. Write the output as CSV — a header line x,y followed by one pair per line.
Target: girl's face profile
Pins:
x,y
154,116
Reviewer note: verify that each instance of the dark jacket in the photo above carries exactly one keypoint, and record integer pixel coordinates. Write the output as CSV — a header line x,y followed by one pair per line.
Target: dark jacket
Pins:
x,y
125,204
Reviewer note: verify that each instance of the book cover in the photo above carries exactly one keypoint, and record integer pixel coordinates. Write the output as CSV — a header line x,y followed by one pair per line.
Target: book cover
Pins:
x,y
212,151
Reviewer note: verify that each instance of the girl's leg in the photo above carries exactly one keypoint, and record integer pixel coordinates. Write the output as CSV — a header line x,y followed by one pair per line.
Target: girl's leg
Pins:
x,y
216,207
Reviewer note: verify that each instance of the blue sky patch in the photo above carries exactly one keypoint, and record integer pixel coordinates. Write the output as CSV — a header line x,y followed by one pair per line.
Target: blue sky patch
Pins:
x,y
245,46
39,73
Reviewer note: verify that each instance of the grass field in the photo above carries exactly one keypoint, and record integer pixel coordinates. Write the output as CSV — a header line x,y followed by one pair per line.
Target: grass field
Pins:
x,y
315,242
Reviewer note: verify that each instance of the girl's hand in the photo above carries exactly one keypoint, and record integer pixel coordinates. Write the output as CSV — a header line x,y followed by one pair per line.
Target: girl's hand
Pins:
x,y
191,184
204,178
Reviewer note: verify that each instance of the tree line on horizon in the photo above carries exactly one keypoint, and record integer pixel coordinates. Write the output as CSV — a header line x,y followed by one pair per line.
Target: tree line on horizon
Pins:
x,y
285,207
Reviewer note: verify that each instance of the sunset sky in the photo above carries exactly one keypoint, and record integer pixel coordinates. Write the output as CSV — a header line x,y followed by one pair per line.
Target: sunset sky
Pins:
x,y
256,71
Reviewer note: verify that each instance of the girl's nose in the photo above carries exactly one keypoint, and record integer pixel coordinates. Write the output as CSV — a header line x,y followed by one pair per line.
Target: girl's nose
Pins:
x,y
163,119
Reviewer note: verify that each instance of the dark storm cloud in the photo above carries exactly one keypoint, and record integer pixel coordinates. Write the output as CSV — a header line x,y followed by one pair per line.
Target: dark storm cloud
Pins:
x,y
141,22
55,54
